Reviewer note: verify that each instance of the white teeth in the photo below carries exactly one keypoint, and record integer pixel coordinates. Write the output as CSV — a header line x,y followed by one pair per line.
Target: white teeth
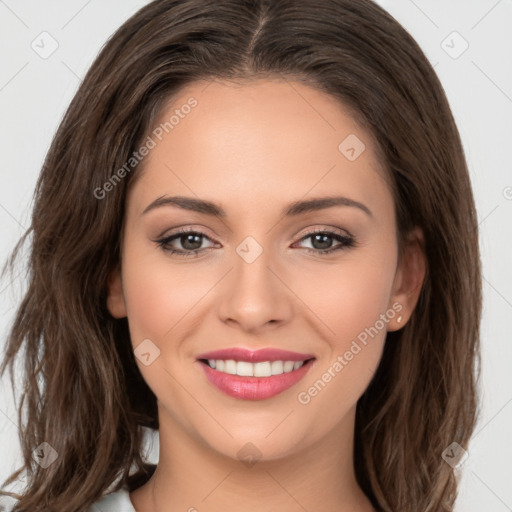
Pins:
x,y
246,369
276,367
230,367
262,369
288,366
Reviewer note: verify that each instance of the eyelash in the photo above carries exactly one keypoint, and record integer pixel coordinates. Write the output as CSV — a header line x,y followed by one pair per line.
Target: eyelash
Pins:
x,y
347,241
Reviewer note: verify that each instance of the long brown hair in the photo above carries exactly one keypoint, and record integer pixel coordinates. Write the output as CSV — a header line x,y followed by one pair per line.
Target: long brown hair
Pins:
x,y
83,392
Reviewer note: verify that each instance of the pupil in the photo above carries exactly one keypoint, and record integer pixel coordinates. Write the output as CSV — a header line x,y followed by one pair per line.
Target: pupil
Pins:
x,y
322,240
326,240
188,238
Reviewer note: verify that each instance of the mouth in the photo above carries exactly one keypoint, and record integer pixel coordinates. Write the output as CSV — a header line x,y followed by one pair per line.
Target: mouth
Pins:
x,y
247,369
254,375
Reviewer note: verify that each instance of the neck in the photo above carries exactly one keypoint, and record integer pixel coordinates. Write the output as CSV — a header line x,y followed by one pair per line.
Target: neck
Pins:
x,y
195,478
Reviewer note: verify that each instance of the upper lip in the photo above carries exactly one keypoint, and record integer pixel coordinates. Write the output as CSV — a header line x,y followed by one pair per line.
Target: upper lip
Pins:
x,y
255,356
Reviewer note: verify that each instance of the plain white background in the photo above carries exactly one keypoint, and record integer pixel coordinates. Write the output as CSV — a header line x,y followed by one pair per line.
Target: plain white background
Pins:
x,y
35,91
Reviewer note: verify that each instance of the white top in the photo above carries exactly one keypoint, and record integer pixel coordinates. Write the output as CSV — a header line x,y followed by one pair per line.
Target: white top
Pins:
x,y
118,501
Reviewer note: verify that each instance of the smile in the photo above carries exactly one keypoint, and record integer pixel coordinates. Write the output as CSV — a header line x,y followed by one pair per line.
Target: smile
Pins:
x,y
254,375
245,369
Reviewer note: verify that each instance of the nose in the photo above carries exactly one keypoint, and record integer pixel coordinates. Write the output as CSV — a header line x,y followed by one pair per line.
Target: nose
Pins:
x,y
254,295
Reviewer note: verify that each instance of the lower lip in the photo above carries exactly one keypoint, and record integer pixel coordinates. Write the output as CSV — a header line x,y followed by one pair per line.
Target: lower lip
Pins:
x,y
254,388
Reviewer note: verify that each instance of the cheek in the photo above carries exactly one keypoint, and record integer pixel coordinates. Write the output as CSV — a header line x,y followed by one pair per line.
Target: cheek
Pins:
x,y
351,301
348,297
158,296
338,380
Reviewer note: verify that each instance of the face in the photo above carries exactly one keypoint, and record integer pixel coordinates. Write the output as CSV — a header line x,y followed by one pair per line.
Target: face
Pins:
x,y
261,266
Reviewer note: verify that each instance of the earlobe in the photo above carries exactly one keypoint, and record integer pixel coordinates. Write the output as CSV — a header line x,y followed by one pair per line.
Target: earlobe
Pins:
x,y
115,298
409,279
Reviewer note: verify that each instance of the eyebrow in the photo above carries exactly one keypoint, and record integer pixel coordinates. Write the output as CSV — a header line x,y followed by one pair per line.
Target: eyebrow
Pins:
x,y
293,209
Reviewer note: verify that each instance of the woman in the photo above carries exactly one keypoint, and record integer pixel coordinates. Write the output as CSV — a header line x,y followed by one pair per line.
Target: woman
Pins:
x,y
254,231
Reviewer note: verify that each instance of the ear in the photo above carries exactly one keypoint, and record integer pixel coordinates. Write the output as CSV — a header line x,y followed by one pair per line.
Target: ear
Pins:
x,y
115,299
409,279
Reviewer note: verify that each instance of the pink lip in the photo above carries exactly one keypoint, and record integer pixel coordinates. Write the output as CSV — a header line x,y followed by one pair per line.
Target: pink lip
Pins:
x,y
255,356
254,388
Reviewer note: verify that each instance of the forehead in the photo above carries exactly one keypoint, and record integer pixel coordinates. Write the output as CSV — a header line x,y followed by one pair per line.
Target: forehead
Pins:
x,y
256,142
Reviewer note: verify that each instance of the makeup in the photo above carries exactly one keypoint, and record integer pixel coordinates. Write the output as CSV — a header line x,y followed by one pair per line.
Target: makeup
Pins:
x,y
254,375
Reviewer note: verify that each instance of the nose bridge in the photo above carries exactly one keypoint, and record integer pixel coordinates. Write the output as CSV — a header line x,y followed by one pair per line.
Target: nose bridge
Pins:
x,y
252,262
254,295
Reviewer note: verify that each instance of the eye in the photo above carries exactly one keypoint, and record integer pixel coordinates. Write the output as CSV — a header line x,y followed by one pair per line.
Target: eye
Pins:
x,y
322,243
189,239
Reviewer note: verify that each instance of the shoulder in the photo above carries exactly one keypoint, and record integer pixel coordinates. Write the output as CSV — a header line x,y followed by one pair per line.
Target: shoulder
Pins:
x,y
7,503
118,501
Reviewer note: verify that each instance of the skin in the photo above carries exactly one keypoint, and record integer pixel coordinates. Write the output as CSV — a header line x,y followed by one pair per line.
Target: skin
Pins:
x,y
253,148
